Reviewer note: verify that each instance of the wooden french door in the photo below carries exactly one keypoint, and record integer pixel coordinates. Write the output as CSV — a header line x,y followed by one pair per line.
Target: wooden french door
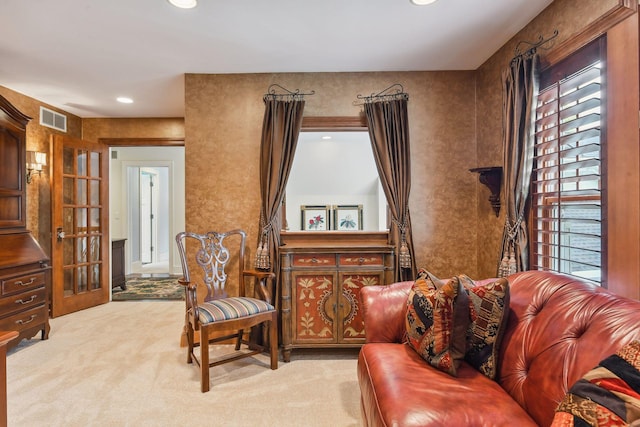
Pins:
x,y
80,225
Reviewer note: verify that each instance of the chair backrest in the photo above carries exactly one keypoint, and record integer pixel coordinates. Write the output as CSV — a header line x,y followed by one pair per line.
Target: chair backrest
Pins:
x,y
212,255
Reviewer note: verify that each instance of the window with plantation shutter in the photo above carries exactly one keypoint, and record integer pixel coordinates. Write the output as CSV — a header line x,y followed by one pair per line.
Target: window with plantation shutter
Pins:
x,y
567,188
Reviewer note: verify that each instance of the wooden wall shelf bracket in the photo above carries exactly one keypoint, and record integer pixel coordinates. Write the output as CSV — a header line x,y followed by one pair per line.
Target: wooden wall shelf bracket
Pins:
x,y
492,178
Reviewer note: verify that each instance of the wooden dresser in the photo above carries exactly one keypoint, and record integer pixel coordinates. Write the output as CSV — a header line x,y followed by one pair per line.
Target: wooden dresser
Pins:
x,y
320,291
24,267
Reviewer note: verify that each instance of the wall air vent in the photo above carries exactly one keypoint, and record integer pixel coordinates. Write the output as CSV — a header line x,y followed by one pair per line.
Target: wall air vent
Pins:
x,y
50,118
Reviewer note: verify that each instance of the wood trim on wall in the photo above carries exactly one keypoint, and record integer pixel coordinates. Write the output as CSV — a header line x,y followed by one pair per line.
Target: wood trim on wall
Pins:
x,y
341,123
600,26
623,158
142,142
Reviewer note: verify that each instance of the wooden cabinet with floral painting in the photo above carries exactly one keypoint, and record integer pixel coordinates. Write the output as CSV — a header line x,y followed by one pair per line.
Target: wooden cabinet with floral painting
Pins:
x,y
320,295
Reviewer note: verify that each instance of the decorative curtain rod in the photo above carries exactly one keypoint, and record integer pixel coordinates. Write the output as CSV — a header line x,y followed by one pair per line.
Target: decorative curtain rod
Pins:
x,y
273,94
395,91
533,46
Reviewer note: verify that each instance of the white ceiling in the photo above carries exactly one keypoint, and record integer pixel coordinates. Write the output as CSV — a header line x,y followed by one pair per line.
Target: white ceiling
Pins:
x,y
79,55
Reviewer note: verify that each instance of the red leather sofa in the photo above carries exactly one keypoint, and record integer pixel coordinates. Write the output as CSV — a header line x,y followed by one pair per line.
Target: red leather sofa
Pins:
x,y
559,328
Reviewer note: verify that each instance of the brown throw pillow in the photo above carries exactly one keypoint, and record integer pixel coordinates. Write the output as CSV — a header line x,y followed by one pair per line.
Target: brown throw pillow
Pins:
x,y
488,315
436,321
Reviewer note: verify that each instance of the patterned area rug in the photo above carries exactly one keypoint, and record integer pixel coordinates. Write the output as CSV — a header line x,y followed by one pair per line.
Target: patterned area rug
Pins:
x,y
150,288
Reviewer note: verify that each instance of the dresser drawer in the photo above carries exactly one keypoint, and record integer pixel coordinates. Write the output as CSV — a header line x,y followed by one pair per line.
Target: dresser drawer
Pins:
x,y
25,319
25,300
314,260
23,282
361,259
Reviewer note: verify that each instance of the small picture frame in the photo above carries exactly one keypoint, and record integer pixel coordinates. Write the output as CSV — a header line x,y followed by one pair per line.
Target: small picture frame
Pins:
x,y
315,217
347,218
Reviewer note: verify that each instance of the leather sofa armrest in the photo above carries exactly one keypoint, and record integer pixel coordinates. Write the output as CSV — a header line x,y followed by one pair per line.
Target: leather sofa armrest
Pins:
x,y
384,309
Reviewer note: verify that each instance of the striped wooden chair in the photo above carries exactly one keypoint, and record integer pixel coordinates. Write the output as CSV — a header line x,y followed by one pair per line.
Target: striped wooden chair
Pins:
x,y
223,315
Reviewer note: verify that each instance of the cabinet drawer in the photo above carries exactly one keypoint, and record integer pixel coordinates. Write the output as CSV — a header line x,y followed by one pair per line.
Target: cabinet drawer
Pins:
x,y
314,260
25,300
25,319
361,259
21,283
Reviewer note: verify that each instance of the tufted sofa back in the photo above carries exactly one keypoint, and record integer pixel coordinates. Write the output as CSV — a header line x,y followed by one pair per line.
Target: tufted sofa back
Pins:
x,y
559,328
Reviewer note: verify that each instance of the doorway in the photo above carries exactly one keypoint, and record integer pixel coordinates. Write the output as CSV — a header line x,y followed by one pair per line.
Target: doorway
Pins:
x,y
147,206
148,211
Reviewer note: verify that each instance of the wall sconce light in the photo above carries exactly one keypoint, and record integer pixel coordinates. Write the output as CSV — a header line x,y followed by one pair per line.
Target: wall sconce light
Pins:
x,y
35,163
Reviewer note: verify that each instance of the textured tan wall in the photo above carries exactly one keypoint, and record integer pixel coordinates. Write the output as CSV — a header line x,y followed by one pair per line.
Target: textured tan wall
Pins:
x,y
39,191
455,229
95,128
569,17
223,123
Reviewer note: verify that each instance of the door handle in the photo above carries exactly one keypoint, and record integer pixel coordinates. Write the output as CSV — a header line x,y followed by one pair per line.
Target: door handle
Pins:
x,y
59,234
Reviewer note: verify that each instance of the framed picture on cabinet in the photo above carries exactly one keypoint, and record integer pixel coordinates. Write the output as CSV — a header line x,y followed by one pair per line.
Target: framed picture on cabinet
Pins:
x,y
347,217
315,217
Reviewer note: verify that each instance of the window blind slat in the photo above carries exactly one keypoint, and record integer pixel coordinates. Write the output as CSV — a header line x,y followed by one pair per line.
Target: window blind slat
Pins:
x,y
582,250
571,166
584,92
580,78
589,134
548,95
570,152
592,119
590,104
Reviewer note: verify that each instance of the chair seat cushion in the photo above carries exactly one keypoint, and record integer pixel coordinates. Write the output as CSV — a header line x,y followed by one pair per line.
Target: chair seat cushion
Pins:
x,y
231,308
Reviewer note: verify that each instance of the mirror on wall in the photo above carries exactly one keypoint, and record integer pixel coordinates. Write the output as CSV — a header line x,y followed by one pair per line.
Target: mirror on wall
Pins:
x,y
334,184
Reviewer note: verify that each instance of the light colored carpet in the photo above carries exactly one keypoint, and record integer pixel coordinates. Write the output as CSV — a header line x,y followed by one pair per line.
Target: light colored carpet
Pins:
x,y
120,364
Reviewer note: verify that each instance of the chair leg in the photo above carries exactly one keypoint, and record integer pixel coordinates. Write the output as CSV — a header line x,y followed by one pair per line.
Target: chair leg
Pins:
x,y
239,339
204,360
273,342
189,342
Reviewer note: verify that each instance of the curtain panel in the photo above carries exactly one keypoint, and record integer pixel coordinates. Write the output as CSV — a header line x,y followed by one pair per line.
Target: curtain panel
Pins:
x,y
388,124
520,89
280,130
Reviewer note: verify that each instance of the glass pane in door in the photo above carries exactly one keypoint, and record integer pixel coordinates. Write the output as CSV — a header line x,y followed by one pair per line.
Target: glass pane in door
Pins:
x,y
82,163
82,279
68,282
67,161
94,192
67,224
67,191
95,164
81,198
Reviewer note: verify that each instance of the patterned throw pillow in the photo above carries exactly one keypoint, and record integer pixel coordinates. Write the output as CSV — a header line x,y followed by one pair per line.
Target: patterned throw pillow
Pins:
x,y
436,319
488,312
607,395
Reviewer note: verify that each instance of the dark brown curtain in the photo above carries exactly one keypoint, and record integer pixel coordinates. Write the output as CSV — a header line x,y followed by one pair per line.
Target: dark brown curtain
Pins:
x,y
280,129
520,89
389,132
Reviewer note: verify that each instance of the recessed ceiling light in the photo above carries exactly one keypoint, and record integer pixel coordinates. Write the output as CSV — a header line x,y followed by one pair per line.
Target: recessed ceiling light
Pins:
x,y
326,137
422,2
124,100
184,4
